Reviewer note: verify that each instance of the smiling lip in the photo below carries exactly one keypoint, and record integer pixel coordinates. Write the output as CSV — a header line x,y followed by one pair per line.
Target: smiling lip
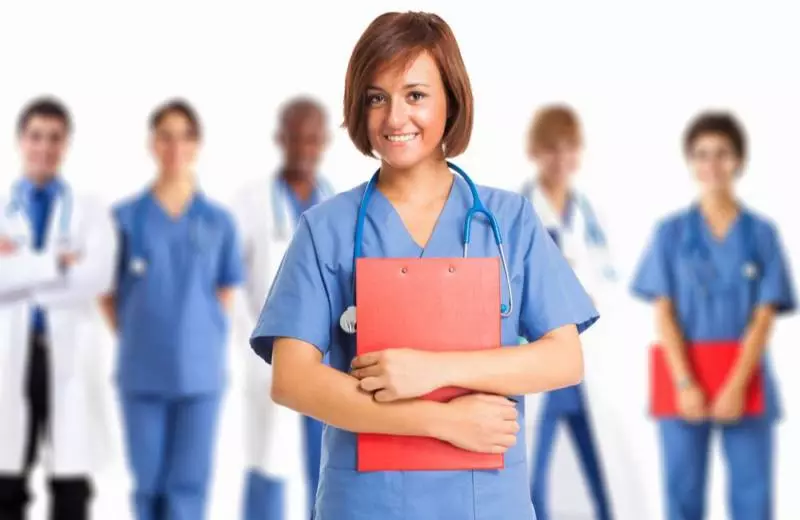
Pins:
x,y
401,138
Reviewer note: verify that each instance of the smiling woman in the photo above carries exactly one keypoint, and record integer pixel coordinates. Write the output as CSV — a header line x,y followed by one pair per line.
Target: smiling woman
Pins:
x,y
409,102
716,273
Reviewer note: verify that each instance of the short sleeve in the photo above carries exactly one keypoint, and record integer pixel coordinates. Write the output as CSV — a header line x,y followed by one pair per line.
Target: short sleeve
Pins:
x,y
775,286
231,266
551,295
297,305
652,279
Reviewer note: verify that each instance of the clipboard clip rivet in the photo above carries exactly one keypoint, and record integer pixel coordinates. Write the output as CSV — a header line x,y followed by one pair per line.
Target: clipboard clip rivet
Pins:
x,y
404,270
452,269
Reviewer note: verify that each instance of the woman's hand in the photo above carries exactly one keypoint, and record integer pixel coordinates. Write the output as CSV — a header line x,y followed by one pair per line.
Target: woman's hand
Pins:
x,y
480,423
692,404
395,374
728,406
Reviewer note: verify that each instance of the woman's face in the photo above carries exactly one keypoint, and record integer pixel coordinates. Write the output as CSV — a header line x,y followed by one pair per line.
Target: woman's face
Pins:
x,y
174,145
715,163
407,113
556,164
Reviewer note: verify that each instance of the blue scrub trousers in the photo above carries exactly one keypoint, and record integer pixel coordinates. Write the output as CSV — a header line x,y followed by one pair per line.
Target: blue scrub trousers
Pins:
x,y
170,450
265,497
567,405
747,448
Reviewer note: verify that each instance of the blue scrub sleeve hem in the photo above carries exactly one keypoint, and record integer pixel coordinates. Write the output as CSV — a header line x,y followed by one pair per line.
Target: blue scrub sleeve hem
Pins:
x,y
647,295
585,324
781,305
582,326
230,283
263,345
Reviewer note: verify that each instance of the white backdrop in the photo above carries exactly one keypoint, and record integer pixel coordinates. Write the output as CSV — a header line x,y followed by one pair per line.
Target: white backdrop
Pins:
x,y
636,74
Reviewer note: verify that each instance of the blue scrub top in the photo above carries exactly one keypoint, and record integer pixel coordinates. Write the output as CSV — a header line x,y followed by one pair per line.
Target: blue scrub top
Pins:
x,y
313,287
300,206
38,202
713,298
173,328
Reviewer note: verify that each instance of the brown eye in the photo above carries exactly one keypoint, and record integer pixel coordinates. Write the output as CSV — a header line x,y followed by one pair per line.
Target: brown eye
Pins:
x,y
375,99
417,96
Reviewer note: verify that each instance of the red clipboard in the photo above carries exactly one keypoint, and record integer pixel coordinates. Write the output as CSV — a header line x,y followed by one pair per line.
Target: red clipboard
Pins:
x,y
711,362
441,304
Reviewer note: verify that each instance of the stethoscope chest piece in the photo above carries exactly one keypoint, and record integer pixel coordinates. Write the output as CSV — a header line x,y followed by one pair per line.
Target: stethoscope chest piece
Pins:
x,y
750,271
138,266
348,320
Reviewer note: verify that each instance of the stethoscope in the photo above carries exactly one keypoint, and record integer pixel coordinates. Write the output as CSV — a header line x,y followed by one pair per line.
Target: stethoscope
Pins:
x,y
17,206
593,234
138,263
700,256
347,321
279,199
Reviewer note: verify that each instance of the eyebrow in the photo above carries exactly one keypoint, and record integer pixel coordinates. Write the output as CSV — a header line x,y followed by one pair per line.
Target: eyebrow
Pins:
x,y
406,86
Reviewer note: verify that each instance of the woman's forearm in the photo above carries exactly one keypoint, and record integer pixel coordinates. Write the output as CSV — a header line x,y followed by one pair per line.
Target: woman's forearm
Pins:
x,y
671,339
753,345
301,382
552,362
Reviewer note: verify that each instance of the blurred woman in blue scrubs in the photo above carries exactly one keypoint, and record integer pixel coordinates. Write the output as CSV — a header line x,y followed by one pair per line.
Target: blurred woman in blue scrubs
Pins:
x,y
716,271
408,101
180,261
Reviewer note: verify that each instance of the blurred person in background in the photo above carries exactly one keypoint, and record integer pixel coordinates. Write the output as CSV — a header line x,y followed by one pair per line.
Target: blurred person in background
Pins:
x,y
716,272
408,101
57,251
267,211
555,143
179,263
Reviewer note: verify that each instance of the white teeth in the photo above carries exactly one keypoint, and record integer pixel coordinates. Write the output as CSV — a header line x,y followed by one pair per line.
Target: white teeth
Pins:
x,y
401,138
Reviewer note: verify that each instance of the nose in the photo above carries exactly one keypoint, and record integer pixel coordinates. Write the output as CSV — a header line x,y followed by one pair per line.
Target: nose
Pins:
x,y
398,113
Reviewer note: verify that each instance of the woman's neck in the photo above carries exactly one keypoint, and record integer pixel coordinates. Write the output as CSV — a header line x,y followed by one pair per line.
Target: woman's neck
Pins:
x,y
174,192
556,193
720,210
421,184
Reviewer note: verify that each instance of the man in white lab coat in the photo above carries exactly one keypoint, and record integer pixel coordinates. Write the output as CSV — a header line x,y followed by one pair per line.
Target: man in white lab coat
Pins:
x,y
279,440
57,252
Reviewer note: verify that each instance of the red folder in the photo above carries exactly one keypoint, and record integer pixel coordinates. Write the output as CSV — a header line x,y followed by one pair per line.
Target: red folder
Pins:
x,y
441,304
711,363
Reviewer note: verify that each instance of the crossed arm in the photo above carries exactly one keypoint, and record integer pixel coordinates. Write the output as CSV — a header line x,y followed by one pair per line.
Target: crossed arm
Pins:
x,y
377,396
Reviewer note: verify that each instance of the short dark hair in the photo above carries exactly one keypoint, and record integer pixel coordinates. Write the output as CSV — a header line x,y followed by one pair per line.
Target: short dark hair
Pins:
x,y
719,123
303,106
44,107
181,107
394,39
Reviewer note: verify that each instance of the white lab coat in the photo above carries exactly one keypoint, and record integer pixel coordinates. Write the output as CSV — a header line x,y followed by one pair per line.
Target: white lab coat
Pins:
x,y
592,264
275,441
80,390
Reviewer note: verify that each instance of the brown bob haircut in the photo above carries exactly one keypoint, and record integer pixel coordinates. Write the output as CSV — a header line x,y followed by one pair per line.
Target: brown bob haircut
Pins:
x,y
555,124
395,40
